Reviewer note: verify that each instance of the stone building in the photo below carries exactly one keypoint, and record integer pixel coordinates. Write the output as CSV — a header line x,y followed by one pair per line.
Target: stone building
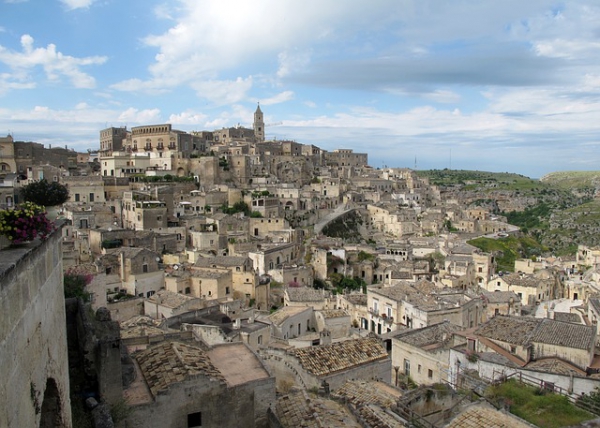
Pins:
x,y
33,337
334,364
526,340
7,156
292,321
181,385
424,354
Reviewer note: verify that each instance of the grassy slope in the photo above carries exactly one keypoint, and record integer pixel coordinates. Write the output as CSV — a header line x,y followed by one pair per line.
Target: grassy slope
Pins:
x,y
573,179
509,249
537,407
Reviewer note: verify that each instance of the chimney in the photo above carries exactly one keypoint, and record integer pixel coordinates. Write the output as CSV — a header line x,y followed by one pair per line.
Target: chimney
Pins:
x,y
251,319
237,324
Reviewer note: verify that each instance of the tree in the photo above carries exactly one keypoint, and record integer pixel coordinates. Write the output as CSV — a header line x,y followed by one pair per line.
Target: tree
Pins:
x,y
45,194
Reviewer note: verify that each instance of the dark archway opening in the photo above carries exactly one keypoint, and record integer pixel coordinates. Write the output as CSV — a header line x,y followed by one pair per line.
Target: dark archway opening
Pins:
x,y
51,406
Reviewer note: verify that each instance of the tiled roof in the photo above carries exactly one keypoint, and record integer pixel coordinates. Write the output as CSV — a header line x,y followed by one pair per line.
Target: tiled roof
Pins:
x,y
169,299
523,331
523,280
564,334
297,409
513,330
221,261
171,362
567,317
500,296
362,392
357,299
304,294
140,325
327,359
478,416
555,365
437,334
334,313
284,313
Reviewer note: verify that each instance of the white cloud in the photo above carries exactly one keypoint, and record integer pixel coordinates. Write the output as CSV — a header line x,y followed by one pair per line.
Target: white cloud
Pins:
x,y
133,115
53,62
443,96
222,92
279,98
187,117
292,62
77,4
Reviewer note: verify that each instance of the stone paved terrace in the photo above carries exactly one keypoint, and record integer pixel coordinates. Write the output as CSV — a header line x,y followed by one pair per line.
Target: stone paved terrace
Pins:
x,y
323,360
237,363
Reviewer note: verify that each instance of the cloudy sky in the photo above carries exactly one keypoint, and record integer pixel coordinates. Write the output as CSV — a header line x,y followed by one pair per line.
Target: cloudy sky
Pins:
x,y
463,84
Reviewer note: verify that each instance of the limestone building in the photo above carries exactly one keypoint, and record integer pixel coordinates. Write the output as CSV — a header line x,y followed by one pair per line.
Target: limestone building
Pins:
x,y
34,391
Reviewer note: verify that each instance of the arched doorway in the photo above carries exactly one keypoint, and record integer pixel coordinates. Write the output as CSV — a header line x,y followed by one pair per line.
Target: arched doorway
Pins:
x,y
51,406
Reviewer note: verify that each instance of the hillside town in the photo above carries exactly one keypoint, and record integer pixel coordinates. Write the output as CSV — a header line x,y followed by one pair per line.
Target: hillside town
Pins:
x,y
237,281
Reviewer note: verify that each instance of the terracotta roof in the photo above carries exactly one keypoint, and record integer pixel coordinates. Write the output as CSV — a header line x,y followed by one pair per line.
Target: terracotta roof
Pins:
x,y
523,331
362,392
298,409
334,313
171,362
327,359
438,335
284,313
304,294
483,415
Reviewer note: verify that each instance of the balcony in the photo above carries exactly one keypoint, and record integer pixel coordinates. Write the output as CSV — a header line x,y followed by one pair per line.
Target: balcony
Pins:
x,y
148,148
389,320
160,147
374,311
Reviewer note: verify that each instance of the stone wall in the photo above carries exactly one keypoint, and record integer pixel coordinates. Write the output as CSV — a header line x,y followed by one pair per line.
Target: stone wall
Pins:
x,y
33,342
220,406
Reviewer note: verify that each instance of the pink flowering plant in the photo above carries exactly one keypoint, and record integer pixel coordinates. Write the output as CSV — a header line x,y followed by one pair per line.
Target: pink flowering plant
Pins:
x,y
25,223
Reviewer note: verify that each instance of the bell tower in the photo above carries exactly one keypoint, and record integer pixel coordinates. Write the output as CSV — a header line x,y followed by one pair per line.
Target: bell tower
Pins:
x,y
259,124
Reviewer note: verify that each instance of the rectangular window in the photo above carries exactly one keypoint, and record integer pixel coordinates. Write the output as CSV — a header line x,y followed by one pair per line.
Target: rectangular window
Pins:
x,y
91,197
430,374
76,197
407,367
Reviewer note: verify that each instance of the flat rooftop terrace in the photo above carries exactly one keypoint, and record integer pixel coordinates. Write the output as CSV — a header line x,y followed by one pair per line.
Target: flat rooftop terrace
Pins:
x,y
237,363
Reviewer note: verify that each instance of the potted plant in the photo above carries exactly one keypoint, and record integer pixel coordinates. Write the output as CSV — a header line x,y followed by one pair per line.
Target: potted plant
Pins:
x,y
25,223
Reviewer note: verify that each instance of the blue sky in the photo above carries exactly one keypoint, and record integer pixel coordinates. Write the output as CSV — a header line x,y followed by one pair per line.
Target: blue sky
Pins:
x,y
471,84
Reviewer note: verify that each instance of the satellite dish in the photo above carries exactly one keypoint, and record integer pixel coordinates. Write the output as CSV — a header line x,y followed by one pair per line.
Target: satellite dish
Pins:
x,y
110,229
176,267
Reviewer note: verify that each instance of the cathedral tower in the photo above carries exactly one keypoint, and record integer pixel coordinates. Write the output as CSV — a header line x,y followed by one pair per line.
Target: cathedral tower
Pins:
x,y
259,125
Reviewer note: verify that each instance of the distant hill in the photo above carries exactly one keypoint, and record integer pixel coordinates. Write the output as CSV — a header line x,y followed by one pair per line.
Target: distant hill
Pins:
x,y
582,182
558,211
